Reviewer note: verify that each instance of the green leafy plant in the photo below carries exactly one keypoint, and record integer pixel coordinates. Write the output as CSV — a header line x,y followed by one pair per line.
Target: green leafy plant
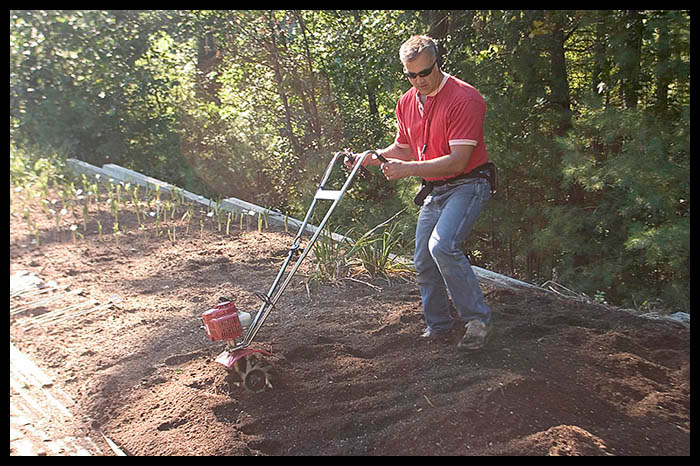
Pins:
x,y
75,233
218,213
375,251
171,233
31,224
115,229
329,258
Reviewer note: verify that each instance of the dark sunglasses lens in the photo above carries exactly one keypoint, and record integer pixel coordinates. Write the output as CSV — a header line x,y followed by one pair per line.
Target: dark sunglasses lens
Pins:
x,y
422,73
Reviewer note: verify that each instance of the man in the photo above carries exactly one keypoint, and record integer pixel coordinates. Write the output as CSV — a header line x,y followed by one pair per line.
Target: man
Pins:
x,y
440,138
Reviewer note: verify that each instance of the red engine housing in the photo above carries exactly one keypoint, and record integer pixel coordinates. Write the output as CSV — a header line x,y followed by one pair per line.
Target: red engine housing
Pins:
x,y
222,323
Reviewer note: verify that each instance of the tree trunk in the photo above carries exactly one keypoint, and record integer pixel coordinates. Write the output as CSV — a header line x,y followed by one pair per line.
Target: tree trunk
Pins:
x,y
371,97
314,118
662,75
275,61
559,79
631,57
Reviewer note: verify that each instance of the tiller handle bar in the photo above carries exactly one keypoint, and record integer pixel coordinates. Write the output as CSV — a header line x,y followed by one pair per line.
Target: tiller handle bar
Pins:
x,y
322,193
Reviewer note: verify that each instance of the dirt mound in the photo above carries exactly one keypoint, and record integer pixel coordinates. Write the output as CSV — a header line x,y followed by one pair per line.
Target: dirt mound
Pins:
x,y
350,376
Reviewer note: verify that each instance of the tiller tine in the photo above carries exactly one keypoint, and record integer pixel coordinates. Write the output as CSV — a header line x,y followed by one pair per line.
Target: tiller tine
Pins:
x,y
254,374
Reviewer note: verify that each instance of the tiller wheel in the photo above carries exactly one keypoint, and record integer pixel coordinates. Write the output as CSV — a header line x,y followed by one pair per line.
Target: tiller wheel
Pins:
x,y
250,367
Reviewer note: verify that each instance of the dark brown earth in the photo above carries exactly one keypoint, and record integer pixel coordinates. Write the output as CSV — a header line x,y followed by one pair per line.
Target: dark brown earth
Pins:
x,y
350,376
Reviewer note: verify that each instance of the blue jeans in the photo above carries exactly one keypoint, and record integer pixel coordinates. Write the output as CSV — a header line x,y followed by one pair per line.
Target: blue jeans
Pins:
x,y
444,223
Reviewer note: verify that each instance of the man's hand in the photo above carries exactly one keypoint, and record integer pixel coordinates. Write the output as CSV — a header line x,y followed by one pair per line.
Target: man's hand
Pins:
x,y
349,160
352,160
395,169
395,154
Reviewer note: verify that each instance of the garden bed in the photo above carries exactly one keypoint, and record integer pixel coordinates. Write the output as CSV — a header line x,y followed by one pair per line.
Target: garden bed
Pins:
x,y
350,375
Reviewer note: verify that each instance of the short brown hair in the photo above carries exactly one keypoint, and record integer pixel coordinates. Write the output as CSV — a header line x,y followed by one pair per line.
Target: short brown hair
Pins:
x,y
415,45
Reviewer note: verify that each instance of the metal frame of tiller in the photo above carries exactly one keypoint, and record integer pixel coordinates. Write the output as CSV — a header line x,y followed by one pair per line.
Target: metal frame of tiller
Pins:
x,y
237,351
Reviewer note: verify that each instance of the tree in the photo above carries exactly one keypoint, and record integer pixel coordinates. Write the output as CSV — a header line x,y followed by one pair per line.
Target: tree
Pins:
x,y
587,117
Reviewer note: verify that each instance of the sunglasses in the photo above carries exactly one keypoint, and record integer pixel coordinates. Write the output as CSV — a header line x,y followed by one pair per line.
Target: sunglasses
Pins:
x,y
422,73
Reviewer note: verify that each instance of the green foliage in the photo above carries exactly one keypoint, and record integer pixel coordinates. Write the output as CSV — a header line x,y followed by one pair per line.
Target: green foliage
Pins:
x,y
635,170
375,252
34,166
587,118
595,182
330,265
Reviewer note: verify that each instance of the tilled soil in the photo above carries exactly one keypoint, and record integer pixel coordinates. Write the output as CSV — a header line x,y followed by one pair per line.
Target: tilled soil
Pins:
x,y
350,375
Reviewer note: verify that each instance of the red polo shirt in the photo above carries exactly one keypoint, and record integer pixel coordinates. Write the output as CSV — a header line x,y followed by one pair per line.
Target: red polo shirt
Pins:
x,y
452,115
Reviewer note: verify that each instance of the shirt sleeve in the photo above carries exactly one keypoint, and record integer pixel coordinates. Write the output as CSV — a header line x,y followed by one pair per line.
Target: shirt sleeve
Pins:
x,y
466,123
401,132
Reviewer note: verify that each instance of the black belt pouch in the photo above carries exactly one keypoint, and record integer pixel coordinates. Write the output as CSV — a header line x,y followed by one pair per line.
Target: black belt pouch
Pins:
x,y
425,189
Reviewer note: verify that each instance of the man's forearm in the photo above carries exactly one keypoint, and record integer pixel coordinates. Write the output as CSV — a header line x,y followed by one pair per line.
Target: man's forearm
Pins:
x,y
449,165
396,152
446,166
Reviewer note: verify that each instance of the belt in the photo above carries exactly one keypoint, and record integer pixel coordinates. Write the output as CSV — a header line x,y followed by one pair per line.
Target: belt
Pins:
x,y
482,171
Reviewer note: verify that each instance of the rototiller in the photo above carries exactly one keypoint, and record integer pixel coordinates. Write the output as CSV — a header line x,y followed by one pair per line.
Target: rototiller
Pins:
x,y
224,322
